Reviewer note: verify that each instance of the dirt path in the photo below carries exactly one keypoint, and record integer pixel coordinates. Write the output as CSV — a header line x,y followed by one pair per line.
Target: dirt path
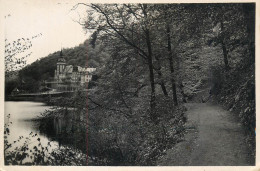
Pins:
x,y
214,138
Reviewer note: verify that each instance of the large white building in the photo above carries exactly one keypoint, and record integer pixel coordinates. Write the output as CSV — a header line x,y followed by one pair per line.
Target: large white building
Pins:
x,y
70,78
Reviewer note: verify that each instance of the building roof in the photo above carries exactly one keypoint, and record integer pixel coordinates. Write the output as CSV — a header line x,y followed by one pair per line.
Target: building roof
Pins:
x,y
61,58
91,69
68,69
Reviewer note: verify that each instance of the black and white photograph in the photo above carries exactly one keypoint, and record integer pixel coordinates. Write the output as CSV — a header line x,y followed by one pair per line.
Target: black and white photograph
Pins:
x,y
129,84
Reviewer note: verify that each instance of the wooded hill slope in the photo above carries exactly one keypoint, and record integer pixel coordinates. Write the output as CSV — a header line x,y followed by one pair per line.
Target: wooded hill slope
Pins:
x,y
43,69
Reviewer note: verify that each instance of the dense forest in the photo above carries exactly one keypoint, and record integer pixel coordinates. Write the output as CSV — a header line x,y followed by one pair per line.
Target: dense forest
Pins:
x,y
151,60
175,53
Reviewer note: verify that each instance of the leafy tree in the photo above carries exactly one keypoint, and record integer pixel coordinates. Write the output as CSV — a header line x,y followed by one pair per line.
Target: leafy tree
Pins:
x,y
226,19
127,17
16,54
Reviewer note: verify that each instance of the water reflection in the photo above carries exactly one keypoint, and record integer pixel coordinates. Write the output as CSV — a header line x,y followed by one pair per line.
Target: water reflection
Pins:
x,y
22,114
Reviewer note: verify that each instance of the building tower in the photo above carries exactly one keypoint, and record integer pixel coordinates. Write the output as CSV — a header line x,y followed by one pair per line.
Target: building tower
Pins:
x,y
61,64
59,72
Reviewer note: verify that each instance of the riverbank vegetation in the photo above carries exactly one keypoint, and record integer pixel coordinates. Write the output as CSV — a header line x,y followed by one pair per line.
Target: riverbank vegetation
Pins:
x,y
29,150
151,58
111,135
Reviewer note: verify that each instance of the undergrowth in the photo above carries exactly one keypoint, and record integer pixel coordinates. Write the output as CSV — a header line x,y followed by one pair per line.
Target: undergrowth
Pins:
x,y
235,89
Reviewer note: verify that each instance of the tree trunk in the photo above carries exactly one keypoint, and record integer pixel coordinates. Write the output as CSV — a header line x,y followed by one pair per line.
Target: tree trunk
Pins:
x,y
150,64
181,86
157,68
225,54
174,94
224,49
162,83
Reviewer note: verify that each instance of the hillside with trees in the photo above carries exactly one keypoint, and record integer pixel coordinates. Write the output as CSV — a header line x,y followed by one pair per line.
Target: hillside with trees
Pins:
x,y
31,76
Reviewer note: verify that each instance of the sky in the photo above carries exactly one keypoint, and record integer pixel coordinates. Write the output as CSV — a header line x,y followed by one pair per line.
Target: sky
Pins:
x,y
51,21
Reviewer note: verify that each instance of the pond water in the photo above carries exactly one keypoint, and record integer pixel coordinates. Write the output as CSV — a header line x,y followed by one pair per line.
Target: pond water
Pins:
x,y
22,114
